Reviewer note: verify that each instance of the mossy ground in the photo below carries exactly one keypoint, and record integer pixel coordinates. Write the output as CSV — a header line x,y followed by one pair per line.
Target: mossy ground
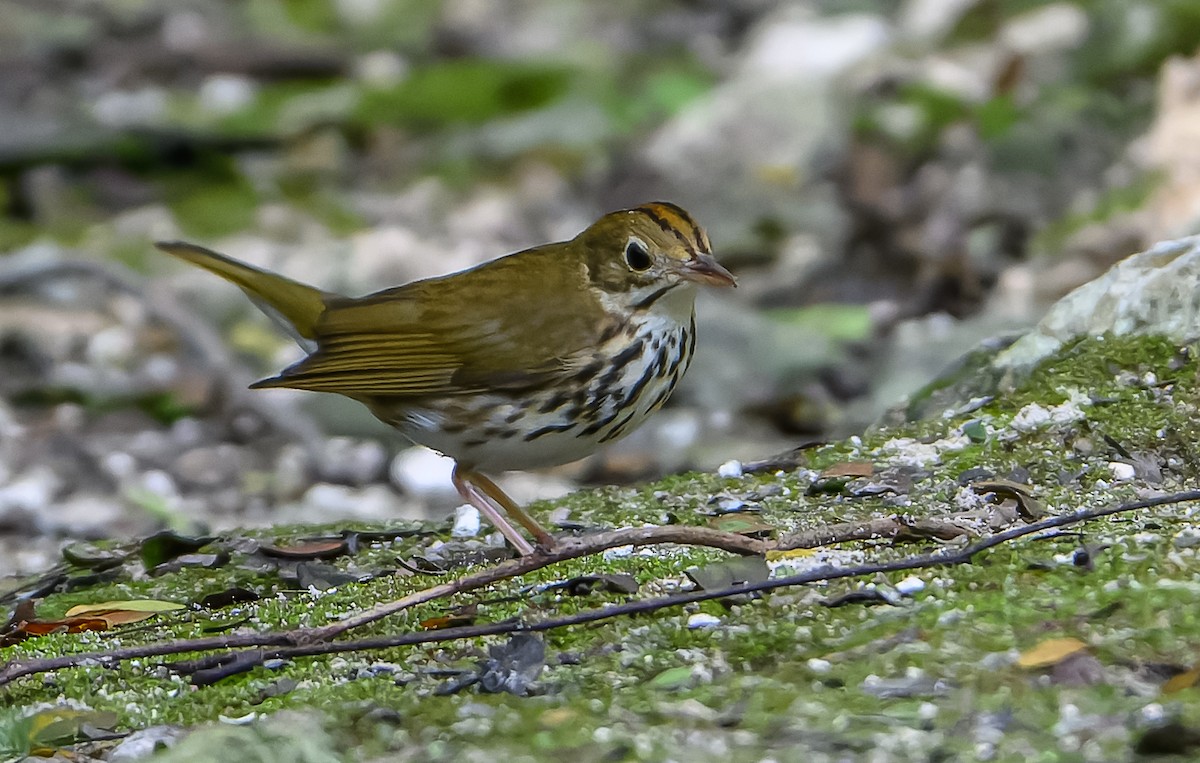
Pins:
x,y
932,677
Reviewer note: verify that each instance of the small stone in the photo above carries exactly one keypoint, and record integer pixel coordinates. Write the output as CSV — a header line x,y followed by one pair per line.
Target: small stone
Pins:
x,y
160,483
703,620
618,552
1188,537
352,462
1030,418
118,465
380,68
226,93
113,346
68,417
143,743
293,469
466,522
187,432
730,469
995,661
950,617
910,585
210,467
1121,471
128,108
238,720
330,502
31,492
84,515
817,665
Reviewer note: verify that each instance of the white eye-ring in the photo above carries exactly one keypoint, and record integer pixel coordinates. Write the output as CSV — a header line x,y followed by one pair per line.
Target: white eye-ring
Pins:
x,y
637,255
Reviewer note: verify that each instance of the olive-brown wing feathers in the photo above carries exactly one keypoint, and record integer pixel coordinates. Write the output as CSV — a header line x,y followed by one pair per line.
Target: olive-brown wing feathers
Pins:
x,y
484,329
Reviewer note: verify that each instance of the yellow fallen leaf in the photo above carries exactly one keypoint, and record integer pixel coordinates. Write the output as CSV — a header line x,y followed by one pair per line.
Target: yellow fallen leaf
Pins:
x,y
794,553
1185,680
1050,652
135,605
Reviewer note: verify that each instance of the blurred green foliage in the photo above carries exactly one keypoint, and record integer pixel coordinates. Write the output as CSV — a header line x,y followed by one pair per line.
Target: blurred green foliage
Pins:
x,y
210,204
464,90
838,322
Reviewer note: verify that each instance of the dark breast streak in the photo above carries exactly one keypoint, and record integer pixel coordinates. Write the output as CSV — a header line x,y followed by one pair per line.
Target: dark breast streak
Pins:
x,y
680,344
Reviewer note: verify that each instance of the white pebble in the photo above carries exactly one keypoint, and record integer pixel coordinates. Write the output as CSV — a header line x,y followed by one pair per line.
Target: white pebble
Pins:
x,y
730,469
466,522
160,483
817,665
380,68
702,620
126,108
910,585
1121,471
227,93
1030,418
238,720
113,346
118,464
618,552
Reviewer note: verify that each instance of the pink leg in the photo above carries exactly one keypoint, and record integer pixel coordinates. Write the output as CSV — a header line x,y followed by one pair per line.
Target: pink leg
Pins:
x,y
473,496
493,491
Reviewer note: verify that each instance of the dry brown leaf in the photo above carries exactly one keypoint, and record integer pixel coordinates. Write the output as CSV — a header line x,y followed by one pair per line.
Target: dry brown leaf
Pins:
x,y
65,625
1028,506
327,548
849,469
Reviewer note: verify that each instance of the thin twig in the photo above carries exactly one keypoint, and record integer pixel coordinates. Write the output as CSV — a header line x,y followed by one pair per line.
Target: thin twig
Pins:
x,y
571,548
214,668
300,642
893,528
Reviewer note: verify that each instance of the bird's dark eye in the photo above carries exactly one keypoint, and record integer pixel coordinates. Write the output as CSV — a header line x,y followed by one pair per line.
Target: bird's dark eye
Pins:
x,y
636,255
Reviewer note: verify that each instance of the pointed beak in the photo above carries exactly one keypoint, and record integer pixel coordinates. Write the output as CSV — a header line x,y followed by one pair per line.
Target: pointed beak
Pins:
x,y
704,269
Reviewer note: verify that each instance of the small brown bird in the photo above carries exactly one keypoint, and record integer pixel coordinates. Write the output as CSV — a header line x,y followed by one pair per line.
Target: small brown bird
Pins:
x,y
530,360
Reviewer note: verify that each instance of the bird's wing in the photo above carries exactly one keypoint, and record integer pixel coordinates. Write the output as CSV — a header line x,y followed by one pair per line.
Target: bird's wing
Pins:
x,y
447,336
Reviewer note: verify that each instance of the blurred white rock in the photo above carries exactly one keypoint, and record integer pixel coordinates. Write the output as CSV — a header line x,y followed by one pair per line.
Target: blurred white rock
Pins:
x,y
423,474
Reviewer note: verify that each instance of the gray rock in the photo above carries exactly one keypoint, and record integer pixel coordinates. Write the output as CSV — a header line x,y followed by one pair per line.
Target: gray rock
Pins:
x,y
1153,292
143,743
28,495
352,462
324,502
211,466
84,515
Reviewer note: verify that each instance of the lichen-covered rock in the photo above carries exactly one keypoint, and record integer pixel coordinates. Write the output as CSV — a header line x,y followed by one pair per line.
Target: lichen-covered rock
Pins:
x,y
1151,293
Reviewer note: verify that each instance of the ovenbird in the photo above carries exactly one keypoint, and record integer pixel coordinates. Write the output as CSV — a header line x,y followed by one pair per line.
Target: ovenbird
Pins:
x,y
530,360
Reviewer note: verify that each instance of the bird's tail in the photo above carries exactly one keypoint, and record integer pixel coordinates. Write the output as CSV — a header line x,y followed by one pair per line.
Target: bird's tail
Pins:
x,y
296,307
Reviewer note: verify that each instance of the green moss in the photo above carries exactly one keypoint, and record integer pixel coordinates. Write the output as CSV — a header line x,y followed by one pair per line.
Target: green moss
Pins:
x,y
779,672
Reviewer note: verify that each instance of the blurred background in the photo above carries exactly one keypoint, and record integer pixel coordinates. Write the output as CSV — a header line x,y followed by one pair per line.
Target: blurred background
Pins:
x,y
893,181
